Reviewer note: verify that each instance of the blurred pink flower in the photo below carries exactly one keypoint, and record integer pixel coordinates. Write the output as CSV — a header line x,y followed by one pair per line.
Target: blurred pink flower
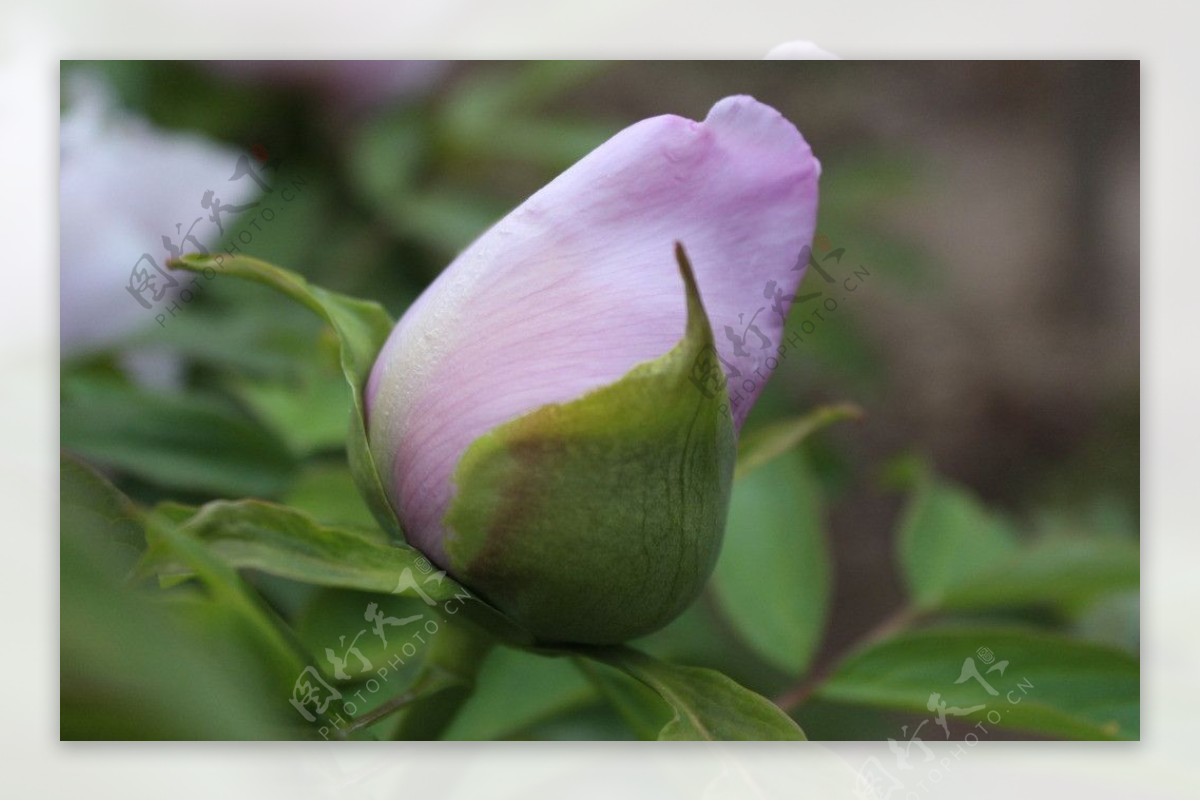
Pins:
x,y
124,186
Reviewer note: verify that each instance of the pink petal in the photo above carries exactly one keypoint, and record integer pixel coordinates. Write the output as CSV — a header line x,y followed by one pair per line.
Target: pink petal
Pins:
x,y
579,284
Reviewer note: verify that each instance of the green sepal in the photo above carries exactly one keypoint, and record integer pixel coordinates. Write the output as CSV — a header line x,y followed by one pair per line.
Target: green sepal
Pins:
x,y
361,327
600,520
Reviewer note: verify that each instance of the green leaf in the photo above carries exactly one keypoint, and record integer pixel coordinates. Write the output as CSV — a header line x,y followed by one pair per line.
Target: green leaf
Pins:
x,y
222,536
514,692
361,327
443,217
135,668
375,723
642,709
599,520
946,538
180,441
328,492
1050,685
335,620
290,544
554,143
773,577
308,413
484,95
765,443
1112,620
388,151
385,164
452,664
958,556
706,704
497,115
1055,571
396,656
168,540
90,506
238,327
703,636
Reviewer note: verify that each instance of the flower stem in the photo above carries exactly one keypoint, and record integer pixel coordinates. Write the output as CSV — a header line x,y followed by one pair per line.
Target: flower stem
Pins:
x,y
899,620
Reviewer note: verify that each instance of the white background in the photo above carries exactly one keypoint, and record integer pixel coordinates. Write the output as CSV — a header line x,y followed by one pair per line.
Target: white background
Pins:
x,y
32,40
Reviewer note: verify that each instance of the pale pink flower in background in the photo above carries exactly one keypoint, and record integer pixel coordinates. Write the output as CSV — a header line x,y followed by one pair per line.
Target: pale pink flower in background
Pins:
x,y
124,185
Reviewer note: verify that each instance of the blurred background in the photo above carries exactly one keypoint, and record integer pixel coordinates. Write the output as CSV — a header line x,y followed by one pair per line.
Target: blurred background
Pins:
x,y
986,214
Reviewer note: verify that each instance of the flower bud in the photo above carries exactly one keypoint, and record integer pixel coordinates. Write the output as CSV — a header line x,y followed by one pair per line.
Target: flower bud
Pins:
x,y
553,419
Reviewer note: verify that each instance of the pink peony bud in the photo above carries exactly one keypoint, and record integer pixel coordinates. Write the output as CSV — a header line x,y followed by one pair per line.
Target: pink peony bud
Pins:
x,y
580,284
